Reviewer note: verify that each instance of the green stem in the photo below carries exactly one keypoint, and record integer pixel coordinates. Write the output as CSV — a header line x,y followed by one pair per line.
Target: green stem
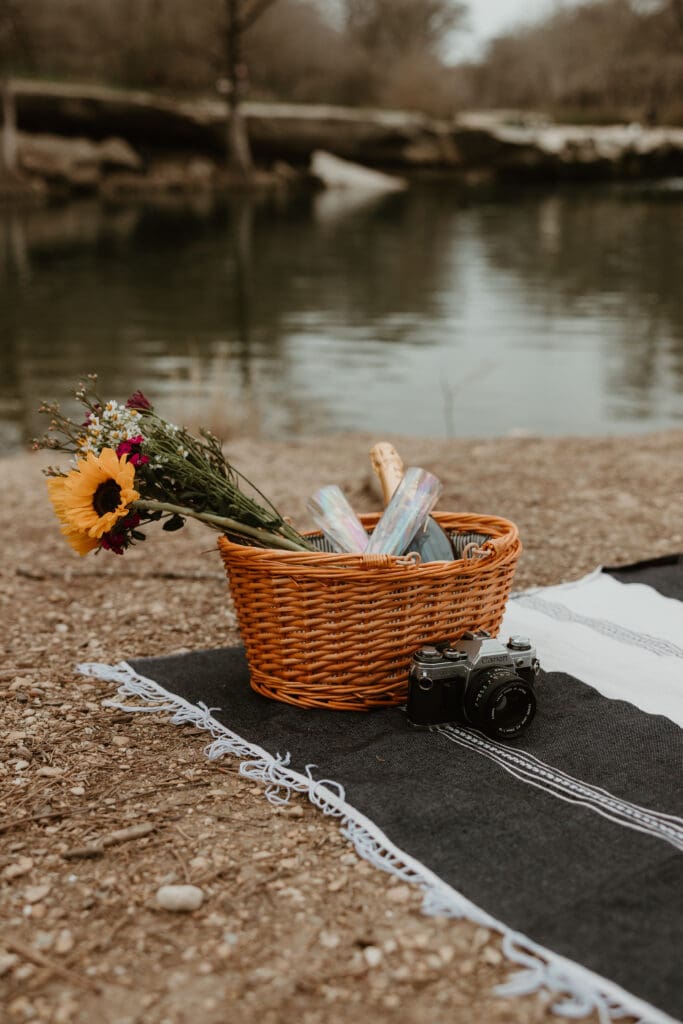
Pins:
x,y
271,540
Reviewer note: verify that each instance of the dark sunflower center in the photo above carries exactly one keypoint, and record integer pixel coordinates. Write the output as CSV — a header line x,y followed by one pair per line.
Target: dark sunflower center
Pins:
x,y
107,497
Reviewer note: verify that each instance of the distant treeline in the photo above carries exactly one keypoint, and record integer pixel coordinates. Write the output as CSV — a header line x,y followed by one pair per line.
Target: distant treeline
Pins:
x,y
605,60
602,60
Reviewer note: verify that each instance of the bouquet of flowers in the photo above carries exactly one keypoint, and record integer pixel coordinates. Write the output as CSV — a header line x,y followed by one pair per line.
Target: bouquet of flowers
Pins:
x,y
130,468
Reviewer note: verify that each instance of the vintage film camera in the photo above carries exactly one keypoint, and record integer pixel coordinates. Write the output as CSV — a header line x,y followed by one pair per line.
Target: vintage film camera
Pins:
x,y
477,681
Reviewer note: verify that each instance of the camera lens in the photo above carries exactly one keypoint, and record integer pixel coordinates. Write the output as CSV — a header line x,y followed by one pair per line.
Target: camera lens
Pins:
x,y
499,703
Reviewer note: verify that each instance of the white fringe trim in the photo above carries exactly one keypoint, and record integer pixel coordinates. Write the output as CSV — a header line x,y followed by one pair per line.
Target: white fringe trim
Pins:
x,y
577,990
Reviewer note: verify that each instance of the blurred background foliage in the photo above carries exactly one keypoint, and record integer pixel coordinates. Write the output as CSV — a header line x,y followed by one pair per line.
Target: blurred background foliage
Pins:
x,y
597,61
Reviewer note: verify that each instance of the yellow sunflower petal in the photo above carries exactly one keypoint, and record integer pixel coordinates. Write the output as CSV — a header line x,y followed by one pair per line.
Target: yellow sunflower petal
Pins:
x,y
80,542
109,462
56,489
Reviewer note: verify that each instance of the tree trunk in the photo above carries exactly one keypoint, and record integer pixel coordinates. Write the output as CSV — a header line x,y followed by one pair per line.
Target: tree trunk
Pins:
x,y
8,142
237,149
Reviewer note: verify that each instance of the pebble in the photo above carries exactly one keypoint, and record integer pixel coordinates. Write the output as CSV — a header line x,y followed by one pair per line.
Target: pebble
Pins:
x,y
295,811
329,940
50,772
7,962
200,863
36,893
373,956
492,955
180,898
64,943
21,867
399,893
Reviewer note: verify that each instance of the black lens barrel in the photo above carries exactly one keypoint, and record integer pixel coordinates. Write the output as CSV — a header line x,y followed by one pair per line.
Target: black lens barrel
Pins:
x,y
499,703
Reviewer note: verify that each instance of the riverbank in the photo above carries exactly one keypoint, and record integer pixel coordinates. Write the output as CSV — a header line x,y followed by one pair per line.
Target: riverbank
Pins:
x,y
82,938
85,138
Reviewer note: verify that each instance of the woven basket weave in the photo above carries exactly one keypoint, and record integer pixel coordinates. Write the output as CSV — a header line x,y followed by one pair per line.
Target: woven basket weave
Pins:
x,y
338,631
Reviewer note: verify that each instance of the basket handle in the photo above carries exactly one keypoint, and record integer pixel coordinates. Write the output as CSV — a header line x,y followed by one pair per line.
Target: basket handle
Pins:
x,y
388,465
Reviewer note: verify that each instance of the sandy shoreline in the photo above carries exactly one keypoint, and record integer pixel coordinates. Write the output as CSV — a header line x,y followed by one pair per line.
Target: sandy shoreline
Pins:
x,y
107,954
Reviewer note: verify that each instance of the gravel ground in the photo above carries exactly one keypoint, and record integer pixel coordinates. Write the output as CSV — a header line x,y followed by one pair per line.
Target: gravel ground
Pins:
x,y
293,926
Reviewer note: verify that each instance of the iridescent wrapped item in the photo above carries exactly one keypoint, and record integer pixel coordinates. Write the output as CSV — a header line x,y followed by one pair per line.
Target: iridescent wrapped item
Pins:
x,y
335,517
406,513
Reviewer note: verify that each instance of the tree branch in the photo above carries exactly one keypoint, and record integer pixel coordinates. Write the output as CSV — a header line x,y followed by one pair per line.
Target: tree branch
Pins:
x,y
259,7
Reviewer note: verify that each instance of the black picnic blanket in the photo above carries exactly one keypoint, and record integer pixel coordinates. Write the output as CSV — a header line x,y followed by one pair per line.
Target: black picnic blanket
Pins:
x,y
569,837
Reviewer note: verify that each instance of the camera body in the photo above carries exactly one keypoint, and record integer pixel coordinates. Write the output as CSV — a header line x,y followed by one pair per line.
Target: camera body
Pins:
x,y
477,681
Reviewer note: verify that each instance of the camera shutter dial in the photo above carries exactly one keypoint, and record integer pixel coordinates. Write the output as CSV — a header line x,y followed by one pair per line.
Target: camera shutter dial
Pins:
x,y
429,653
519,643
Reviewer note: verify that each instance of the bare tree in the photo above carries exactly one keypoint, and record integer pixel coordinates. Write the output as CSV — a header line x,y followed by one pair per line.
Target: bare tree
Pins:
x,y
240,15
12,41
398,27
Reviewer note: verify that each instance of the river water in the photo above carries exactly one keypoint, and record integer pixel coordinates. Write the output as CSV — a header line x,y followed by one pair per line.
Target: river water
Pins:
x,y
427,312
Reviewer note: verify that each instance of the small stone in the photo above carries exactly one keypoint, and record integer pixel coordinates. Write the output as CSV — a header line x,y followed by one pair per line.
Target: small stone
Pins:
x,y
120,741
50,772
200,863
7,962
481,937
492,956
21,867
446,953
20,766
24,972
292,893
373,956
328,940
180,898
295,811
399,893
338,883
77,790
65,942
36,893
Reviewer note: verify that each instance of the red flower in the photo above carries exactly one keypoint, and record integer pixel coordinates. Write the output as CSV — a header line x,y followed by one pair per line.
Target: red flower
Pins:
x,y
138,401
118,541
115,542
131,448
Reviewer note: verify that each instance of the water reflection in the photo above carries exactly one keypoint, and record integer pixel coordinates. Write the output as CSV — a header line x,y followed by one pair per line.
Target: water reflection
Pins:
x,y
413,312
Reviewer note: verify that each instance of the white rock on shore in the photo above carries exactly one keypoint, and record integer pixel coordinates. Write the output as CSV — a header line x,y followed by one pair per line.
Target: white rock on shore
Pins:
x,y
180,898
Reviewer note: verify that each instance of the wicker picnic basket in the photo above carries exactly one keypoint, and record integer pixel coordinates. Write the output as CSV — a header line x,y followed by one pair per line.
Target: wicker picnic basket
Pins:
x,y
324,630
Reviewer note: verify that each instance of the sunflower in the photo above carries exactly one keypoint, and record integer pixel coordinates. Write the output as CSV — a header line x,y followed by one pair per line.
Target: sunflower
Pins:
x,y
79,541
93,497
